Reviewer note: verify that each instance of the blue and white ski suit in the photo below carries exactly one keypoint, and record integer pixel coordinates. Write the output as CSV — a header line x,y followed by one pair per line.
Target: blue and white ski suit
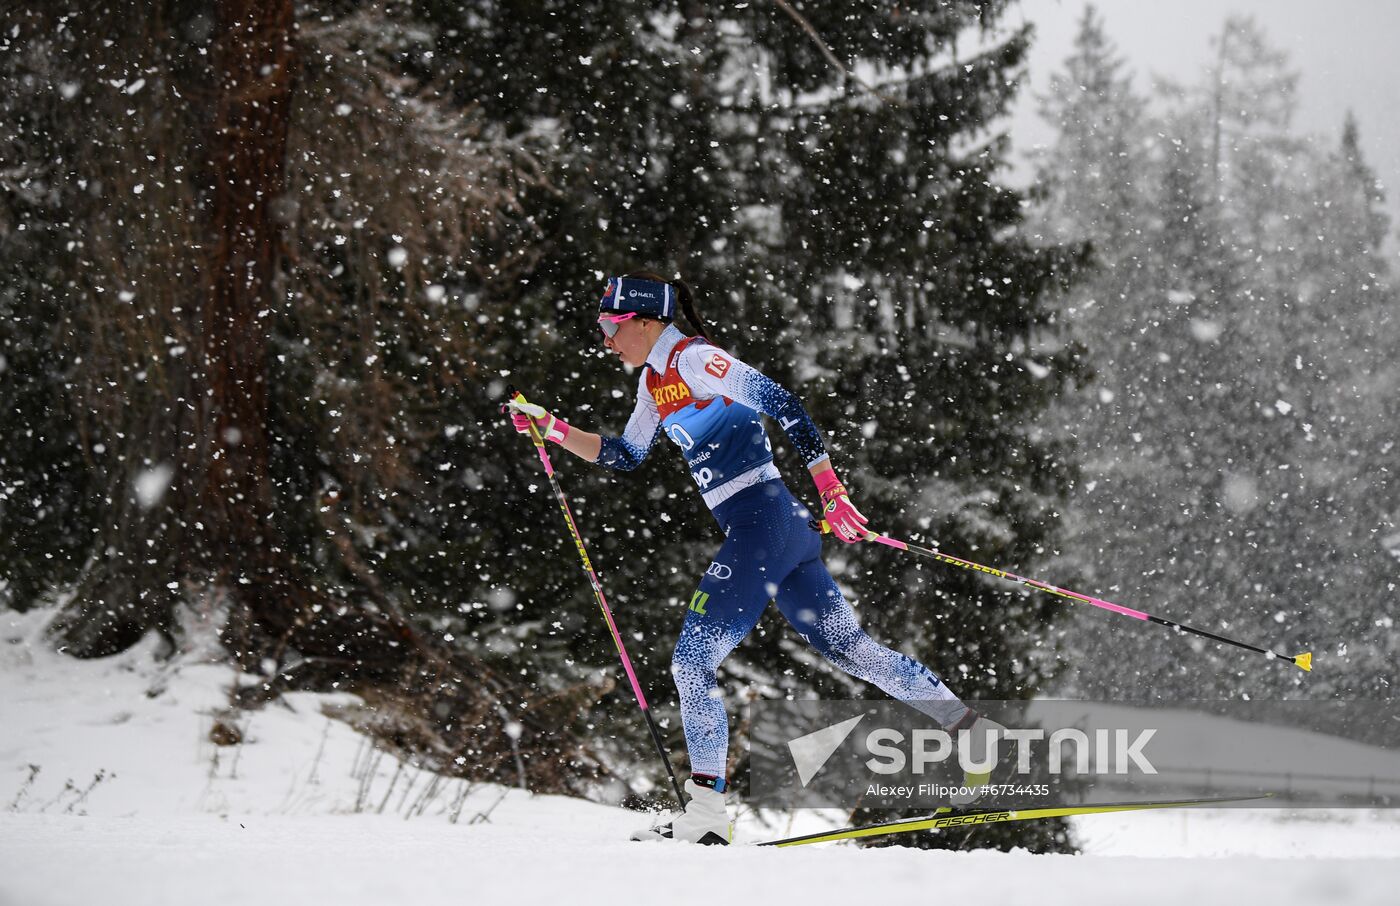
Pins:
x,y
708,403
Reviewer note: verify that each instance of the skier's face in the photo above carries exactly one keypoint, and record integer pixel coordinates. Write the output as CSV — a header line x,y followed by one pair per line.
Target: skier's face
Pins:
x,y
632,342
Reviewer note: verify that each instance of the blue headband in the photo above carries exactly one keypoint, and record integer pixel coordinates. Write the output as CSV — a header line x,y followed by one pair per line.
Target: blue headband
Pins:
x,y
645,297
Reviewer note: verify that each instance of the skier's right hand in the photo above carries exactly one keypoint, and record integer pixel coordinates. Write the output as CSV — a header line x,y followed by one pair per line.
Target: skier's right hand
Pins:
x,y
522,413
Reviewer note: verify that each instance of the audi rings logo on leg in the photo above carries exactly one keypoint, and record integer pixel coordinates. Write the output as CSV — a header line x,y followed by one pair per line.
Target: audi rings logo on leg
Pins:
x,y
719,571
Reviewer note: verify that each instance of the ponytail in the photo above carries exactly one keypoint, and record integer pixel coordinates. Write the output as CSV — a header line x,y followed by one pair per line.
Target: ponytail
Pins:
x,y
688,306
687,299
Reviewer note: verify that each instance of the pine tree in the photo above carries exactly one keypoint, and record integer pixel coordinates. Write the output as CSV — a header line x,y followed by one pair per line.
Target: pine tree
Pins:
x,y
230,319
1233,369
1091,191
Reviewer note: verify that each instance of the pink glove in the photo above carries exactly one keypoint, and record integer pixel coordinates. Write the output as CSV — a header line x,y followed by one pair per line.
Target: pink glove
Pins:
x,y
845,520
551,427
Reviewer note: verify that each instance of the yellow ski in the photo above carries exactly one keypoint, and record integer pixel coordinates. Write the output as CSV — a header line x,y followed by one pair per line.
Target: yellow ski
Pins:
x,y
943,818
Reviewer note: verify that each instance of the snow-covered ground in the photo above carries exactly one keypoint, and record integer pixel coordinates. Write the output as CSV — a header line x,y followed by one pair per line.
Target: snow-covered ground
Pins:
x,y
132,804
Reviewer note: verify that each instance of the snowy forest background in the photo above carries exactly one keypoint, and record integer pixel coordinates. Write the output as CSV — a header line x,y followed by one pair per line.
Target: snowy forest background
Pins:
x,y
269,269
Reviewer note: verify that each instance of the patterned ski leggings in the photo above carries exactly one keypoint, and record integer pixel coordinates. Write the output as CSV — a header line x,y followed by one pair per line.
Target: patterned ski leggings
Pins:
x,y
770,552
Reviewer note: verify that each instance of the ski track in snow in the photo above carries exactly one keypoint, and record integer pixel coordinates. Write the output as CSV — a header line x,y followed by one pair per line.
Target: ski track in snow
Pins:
x,y
177,820
565,853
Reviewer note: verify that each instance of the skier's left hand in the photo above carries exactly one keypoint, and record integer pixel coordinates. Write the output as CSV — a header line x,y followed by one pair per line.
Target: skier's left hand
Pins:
x,y
847,522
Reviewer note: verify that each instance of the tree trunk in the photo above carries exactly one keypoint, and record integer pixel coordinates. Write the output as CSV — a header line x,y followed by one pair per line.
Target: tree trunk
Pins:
x,y
254,58
241,546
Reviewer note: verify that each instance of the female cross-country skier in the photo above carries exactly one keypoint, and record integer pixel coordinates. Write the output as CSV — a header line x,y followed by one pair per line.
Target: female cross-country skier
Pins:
x,y
708,402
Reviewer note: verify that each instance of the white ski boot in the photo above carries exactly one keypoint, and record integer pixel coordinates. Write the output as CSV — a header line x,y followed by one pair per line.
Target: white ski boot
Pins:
x,y
705,820
978,742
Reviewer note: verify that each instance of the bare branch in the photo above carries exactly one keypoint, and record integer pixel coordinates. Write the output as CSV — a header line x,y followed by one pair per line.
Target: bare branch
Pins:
x,y
811,31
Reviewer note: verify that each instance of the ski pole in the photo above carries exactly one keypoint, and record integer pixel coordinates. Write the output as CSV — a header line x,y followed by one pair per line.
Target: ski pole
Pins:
x,y
1303,661
598,594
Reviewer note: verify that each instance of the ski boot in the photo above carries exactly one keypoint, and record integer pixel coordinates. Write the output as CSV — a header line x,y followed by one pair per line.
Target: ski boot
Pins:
x,y
979,739
705,819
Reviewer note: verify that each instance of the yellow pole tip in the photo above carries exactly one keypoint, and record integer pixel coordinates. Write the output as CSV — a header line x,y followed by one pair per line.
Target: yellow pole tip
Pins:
x,y
1304,660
